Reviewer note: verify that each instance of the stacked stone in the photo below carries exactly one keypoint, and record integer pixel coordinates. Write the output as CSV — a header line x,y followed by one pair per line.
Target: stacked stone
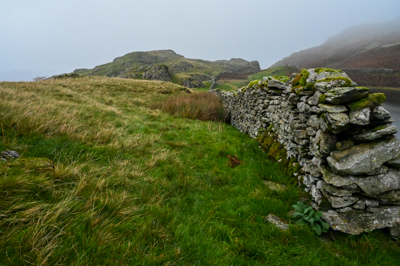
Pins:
x,y
339,134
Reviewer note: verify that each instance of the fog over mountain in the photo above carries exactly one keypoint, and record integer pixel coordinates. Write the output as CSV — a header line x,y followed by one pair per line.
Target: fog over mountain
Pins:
x,y
365,46
47,37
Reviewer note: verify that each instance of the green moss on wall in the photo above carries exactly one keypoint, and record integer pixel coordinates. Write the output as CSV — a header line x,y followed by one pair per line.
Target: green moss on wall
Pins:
x,y
282,78
346,82
372,101
323,69
277,152
295,81
309,86
253,83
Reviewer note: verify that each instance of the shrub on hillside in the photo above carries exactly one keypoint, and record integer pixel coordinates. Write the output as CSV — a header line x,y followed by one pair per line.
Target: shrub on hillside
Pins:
x,y
202,105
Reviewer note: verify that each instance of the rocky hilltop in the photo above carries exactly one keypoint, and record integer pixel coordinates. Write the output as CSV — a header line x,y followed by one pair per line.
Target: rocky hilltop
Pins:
x,y
166,65
368,49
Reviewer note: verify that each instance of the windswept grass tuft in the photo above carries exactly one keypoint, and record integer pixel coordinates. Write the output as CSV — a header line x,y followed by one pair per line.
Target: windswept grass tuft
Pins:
x,y
201,105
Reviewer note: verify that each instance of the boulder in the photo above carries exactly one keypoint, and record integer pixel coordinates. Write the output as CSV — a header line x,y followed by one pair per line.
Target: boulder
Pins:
x,y
345,94
376,133
357,222
365,157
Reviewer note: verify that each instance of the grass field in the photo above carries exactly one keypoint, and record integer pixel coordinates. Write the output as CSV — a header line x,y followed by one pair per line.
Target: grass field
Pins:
x,y
106,179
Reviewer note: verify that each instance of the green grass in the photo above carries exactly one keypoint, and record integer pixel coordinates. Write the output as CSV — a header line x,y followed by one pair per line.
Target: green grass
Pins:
x,y
105,180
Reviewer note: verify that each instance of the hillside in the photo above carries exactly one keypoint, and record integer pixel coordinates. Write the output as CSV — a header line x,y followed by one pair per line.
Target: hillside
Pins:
x,y
106,179
360,47
167,65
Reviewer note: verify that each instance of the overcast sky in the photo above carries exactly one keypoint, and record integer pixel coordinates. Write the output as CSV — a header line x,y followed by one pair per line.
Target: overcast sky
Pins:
x,y
48,37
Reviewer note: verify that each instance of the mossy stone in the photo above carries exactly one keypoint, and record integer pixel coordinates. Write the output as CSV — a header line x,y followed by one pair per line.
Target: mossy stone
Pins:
x,y
372,101
323,69
253,83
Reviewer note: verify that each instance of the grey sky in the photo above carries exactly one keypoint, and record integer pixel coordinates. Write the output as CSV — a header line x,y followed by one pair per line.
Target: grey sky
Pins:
x,y
48,37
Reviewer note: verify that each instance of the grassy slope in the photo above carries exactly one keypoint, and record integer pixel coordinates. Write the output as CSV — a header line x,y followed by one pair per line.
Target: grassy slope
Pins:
x,y
135,186
167,57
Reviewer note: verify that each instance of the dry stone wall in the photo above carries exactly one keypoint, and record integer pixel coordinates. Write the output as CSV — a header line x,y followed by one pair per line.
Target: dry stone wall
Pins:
x,y
340,136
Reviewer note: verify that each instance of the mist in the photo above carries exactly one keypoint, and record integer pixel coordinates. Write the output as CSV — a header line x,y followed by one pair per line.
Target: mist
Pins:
x,y
45,38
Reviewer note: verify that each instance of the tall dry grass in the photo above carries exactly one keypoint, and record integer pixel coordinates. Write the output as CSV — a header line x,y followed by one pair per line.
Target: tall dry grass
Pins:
x,y
201,105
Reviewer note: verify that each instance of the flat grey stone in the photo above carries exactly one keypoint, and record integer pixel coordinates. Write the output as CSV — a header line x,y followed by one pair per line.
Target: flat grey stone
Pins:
x,y
330,108
339,192
345,94
276,84
346,209
380,115
360,205
340,202
394,163
315,99
357,222
313,122
277,222
370,185
376,133
322,144
391,197
338,119
365,157
360,117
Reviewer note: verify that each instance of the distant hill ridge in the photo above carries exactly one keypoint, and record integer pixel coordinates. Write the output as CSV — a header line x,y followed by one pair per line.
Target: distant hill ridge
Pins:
x,y
169,66
365,46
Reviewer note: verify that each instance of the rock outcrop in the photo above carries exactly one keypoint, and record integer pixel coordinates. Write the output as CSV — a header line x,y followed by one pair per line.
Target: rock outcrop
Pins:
x,y
336,139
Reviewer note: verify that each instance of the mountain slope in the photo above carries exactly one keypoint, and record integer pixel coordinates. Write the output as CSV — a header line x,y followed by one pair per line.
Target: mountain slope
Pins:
x,y
364,46
181,70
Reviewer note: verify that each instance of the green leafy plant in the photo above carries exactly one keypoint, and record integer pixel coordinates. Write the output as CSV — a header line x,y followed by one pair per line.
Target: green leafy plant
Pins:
x,y
309,216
